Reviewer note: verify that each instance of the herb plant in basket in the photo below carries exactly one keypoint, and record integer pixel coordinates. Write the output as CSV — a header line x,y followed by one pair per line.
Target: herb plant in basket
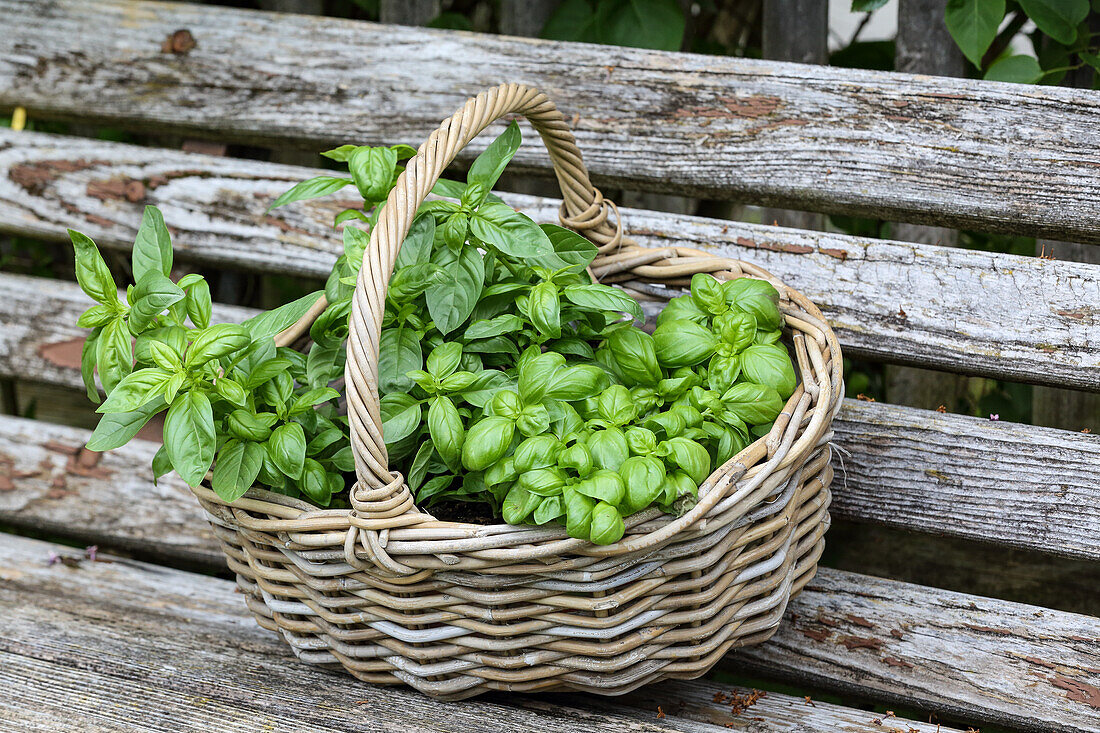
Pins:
x,y
662,493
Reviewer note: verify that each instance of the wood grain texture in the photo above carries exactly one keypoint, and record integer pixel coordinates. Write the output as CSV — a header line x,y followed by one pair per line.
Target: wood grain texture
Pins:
x,y
963,657
1011,317
992,481
907,148
147,648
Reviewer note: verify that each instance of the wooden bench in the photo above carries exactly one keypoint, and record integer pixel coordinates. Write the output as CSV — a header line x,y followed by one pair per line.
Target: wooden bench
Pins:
x,y
97,638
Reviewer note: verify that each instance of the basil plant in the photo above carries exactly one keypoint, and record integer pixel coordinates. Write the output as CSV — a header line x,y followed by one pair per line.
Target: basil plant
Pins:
x,y
508,377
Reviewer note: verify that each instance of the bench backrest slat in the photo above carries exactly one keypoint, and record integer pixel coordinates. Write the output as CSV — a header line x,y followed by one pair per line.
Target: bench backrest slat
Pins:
x,y
948,151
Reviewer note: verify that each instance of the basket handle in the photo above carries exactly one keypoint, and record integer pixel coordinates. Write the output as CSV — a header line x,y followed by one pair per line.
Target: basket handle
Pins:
x,y
380,500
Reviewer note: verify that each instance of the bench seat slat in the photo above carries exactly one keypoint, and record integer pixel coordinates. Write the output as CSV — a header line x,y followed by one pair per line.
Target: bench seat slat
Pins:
x,y
142,646
1017,318
1030,487
952,152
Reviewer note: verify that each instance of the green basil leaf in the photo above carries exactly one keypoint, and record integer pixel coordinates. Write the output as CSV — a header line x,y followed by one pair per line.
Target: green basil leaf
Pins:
x,y
707,293
398,353
604,298
215,342
87,364
535,374
325,364
682,307
683,343
770,365
372,170
635,357
518,505
571,250
92,273
488,166
417,247
164,356
737,329
418,469
608,448
311,189
544,309
448,188
153,245
753,403
498,326
152,295
264,371
231,391
113,354
189,436
688,455
236,469
487,384
572,347
312,398
607,524
510,232
495,345
486,442
269,323
549,509
315,483
198,304
540,451
401,416
452,298
162,464
287,449
616,405
116,429
340,154
578,513
756,297
576,382
445,427
444,359
135,390
96,316
246,426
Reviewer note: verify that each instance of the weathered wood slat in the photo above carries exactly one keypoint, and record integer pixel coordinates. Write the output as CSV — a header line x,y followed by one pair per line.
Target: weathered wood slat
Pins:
x,y
991,481
929,150
1025,486
147,648
961,656
1000,315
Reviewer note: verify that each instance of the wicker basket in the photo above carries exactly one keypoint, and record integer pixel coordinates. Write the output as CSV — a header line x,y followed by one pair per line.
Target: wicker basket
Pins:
x,y
396,596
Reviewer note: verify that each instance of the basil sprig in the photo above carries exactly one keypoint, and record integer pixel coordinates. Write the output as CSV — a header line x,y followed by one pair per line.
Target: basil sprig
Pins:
x,y
506,375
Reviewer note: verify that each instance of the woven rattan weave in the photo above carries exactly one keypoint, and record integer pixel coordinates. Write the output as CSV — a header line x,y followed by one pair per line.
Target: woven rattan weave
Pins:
x,y
396,596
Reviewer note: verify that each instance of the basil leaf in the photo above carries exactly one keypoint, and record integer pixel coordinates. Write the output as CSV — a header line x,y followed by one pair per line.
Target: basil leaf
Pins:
x,y
269,323
607,524
487,328
311,398
246,426
418,469
682,307
608,448
372,170
509,231
576,382
236,469
315,483
153,246
688,455
398,353
452,298
634,354
116,429
707,293
485,386
401,415
486,442
87,364
445,427
340,154
495,345
444,359
604,297
325,364
135,390
770,365
417,247
571,250
544,309
578,513
221,339
189,436
92,273
311,189
96,316
113,355
264,371
287,449
198,304
152,295
488,166
756,297
162,464
753,403
683,343
518,505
